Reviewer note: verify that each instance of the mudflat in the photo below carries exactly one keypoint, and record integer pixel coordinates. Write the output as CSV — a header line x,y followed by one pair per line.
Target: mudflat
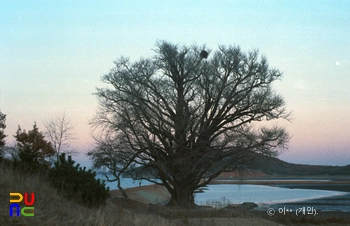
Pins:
x,y
158,195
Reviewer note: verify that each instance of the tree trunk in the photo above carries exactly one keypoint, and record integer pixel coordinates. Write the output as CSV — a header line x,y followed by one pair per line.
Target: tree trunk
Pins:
x,y
182,197
122,190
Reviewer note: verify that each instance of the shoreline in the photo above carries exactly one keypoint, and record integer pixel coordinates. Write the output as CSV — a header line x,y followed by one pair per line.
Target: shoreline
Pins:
x,y
282,181
337,206
331,207
156,194
325,184
299,183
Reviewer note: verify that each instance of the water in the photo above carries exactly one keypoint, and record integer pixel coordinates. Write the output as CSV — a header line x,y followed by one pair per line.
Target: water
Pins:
x,y
237,194
220,195
125,183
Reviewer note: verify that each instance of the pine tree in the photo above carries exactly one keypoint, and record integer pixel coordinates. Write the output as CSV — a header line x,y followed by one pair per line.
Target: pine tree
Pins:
x,y
77,183
34,150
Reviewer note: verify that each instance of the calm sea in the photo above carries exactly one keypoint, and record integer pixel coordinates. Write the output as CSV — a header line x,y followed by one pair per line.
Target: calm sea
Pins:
x,y
267,196
220,195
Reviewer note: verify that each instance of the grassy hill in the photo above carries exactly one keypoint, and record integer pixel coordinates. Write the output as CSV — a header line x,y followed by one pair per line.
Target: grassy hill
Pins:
x,y
276,167
52,209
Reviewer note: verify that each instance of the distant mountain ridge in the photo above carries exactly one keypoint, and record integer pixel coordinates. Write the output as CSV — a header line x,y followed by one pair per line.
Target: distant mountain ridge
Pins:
x,y
262,165
275,167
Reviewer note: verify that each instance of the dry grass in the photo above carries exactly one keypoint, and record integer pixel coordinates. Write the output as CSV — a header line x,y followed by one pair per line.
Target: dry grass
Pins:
x,y
51,209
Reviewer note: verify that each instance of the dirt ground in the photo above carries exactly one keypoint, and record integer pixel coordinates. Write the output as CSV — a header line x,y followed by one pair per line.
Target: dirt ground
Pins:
x,y
232,221
153,194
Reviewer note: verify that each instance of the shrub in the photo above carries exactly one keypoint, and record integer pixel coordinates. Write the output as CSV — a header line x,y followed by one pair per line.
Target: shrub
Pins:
x,y
77,183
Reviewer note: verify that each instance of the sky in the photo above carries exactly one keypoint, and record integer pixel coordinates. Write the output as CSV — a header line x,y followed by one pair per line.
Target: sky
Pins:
x,y
53,54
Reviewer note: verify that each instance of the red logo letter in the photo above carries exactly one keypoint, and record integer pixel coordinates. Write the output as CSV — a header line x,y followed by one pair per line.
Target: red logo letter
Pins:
x,y
26,199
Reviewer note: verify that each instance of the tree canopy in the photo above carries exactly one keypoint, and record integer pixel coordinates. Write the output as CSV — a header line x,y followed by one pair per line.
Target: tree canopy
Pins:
x,y
60,131
33,149
188,115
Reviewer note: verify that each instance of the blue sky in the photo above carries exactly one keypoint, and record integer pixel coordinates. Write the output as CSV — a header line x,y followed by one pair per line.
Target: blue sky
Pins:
x,y
53,53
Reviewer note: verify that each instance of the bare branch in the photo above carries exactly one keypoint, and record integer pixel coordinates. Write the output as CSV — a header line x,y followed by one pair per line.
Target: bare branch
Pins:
x,y
60,131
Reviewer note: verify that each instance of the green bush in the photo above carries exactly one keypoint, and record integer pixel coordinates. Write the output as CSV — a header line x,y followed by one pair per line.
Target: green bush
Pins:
x,y
77,183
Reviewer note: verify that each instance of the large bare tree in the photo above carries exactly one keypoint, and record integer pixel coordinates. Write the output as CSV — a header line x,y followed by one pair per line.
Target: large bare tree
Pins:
x,y
188,114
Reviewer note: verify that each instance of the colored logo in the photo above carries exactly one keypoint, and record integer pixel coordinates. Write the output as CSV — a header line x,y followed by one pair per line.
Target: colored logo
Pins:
x,y
27,210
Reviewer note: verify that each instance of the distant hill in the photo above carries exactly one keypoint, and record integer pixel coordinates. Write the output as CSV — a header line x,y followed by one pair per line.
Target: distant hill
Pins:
x,y
276,167
265,166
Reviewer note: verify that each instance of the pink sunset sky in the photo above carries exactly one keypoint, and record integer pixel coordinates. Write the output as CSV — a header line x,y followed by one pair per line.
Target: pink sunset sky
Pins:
x,y
53,54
